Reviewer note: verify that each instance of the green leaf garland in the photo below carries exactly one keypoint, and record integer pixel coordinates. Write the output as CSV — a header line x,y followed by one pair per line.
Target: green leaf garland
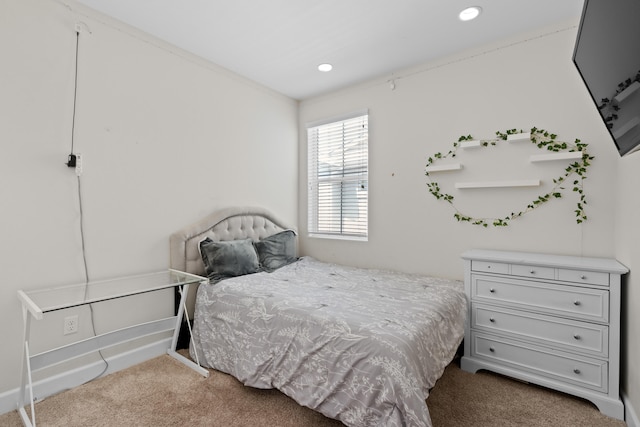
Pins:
x,y
573,177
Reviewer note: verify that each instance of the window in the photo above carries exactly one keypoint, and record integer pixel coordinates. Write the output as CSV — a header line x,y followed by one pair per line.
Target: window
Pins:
x,y
338,157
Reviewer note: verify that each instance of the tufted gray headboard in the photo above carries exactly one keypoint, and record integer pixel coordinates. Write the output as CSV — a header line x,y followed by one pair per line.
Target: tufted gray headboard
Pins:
x,y
226,224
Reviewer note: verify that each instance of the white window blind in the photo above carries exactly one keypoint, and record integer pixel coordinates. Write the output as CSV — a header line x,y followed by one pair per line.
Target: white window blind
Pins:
x,y
338,163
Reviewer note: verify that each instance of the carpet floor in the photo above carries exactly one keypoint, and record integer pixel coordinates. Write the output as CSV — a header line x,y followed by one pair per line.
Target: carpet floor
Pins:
x,y
163,392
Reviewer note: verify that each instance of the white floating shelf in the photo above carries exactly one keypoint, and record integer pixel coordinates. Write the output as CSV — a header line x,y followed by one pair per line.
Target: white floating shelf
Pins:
x,y
470,144
571,155
499,184
628,91
626,127
518,137
443,168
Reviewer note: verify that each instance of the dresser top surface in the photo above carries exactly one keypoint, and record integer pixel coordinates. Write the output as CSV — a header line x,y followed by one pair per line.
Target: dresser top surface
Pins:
x,y
561,261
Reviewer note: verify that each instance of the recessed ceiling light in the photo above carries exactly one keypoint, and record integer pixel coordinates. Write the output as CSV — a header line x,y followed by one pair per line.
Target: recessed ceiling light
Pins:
x,y
325,67
470,13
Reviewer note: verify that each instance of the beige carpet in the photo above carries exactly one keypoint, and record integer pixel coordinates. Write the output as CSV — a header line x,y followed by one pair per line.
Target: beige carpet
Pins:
x,y
163,392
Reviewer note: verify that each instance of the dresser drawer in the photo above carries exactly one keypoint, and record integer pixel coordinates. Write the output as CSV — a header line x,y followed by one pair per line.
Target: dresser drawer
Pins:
x,y
533,271
490,267
548,330
562,300
582,371
586,277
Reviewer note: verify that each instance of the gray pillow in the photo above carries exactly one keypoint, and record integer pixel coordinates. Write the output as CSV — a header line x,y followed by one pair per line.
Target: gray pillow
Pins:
x,y
229,258
277,250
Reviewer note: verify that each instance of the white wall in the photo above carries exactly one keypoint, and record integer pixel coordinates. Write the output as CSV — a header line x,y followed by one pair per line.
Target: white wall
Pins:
x,y
519,83
628,252
166,137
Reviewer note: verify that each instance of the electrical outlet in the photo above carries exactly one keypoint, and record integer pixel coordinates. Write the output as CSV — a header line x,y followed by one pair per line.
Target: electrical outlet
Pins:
x,y
71,324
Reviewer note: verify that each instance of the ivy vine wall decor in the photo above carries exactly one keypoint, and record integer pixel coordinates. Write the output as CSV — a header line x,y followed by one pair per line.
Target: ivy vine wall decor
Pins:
x,y
572,177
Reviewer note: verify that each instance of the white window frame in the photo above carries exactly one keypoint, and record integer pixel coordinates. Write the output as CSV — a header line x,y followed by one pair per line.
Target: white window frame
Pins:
x,y
352,221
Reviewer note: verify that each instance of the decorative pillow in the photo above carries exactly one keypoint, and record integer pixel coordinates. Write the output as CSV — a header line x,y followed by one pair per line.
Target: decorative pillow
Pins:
x,y
277,250
228,258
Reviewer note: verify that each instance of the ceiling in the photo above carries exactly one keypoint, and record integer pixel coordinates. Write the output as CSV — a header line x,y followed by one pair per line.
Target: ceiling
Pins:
x,y
280,43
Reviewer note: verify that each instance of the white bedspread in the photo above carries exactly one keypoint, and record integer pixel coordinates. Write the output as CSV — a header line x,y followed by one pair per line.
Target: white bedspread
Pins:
x,y
362,346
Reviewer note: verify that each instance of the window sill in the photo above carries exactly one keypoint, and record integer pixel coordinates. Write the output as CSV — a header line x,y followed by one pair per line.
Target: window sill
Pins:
x,y
338,237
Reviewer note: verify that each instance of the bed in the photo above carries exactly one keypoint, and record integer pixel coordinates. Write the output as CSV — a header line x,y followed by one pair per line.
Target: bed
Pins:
x,y
358,345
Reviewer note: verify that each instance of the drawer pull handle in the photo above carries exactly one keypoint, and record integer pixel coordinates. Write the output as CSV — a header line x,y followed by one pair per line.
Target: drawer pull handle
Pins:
x,y
492,350
492,320
576,371
576,336
493,291
577,302
532,272
583,277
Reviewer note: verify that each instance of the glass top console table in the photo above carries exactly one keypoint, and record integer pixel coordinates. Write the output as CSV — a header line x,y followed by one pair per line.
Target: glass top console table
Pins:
x,y
36,303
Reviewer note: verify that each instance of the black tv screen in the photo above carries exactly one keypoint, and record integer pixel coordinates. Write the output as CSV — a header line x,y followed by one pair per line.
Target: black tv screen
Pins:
x,y
607,55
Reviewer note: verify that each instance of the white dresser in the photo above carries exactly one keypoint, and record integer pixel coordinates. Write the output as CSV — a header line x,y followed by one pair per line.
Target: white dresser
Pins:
x,y
546,319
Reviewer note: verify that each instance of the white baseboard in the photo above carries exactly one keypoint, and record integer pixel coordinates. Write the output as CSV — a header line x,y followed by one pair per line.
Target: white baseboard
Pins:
x,y
630,415
73,378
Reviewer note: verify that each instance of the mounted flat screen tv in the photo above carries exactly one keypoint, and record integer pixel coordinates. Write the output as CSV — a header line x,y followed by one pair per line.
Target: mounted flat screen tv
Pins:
x,y
607,55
